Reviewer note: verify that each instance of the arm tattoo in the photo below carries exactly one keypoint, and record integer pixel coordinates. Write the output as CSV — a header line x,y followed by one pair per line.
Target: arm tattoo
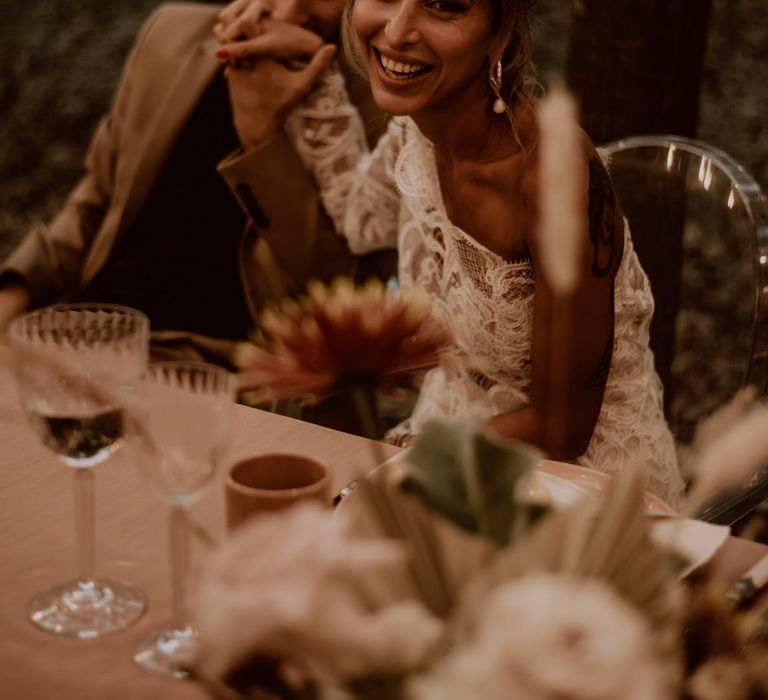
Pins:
x,y
599,375
602,225
602,234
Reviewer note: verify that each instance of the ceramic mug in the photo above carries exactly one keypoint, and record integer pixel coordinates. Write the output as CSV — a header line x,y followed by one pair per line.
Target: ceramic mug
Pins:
x,y
273,481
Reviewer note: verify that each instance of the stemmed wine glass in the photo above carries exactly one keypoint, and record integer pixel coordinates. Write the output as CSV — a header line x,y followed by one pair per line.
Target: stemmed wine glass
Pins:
x,y
181,438
75,365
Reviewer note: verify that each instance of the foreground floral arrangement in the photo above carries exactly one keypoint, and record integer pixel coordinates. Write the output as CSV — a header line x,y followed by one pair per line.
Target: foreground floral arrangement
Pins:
x,y
432,581
443,577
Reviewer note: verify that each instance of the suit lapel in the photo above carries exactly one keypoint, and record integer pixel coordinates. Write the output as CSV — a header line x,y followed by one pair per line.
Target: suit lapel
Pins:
x,y
192,78
151,149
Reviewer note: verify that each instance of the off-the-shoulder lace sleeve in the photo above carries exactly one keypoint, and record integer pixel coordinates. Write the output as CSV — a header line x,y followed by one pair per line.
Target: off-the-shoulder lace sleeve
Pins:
x,y
357,186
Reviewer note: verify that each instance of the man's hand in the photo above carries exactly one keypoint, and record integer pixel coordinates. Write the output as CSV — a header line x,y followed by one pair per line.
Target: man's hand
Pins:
x,y
263,96
240,18
271,64
243,31
275,39
269,73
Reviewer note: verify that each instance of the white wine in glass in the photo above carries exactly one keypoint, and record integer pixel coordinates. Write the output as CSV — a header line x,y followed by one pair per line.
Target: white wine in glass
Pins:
x,y
182,437
75,365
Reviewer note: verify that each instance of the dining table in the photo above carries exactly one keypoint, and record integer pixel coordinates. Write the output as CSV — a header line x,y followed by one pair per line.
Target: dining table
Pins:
x,y
37,547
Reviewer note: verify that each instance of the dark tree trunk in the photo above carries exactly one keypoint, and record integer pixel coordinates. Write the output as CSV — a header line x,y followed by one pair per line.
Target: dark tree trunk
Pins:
x,y
636,66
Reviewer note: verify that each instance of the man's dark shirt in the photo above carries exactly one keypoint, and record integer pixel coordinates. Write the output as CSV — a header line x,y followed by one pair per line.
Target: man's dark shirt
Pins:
x,y
178,262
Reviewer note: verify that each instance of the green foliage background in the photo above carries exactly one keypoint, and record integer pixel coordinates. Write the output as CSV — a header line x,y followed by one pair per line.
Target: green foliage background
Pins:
x,y
60,62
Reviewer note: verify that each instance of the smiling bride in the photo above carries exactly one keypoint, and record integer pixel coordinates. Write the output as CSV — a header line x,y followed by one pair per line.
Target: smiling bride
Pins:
x,y
453,185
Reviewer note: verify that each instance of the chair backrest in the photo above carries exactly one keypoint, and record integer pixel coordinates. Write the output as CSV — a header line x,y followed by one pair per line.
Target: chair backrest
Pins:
x,y
700,227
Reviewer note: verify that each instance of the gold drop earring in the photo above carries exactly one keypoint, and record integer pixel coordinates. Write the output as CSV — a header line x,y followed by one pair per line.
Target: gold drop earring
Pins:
x,y
498,104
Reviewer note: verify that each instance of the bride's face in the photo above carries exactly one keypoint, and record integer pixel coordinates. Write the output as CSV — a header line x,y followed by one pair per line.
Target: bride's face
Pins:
x,y
424,54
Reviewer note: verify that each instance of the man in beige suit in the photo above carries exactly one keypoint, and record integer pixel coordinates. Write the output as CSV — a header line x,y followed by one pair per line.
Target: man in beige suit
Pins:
x,y
178,214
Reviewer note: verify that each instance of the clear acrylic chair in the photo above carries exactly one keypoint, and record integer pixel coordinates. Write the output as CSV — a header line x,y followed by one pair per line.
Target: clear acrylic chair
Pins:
x,y
700,227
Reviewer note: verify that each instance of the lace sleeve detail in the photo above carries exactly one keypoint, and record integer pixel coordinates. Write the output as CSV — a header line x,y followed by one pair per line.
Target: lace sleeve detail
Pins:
x,y
356,186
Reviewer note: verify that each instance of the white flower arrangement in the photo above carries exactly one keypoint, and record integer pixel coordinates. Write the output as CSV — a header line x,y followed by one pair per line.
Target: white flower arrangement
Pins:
x,y
436,583
295,586
543,637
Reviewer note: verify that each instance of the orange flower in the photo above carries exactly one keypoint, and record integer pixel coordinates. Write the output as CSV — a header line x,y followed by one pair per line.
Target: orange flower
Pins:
x,y
341,336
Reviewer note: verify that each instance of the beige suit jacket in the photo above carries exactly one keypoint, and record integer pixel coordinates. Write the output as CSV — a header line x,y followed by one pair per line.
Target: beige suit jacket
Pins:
x,y
290,239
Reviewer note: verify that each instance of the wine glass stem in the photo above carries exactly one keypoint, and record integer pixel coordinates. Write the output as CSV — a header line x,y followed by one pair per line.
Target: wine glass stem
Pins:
x,y
179,563
84,523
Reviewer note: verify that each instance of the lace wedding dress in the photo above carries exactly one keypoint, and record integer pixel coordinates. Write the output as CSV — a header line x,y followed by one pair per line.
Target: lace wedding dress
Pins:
x,y
391,198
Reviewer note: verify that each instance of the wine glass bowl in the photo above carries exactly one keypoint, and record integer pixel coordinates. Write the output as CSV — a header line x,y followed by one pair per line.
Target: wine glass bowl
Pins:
x,y
181,437
80,439
187,411
74,364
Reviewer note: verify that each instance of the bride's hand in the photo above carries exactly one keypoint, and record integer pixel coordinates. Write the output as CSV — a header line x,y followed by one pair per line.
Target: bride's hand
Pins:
x,y
271,65
263,93
244,32
273,39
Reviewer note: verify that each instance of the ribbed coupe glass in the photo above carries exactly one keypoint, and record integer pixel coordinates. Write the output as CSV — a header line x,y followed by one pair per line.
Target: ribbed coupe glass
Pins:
x,y
75,366
182,438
